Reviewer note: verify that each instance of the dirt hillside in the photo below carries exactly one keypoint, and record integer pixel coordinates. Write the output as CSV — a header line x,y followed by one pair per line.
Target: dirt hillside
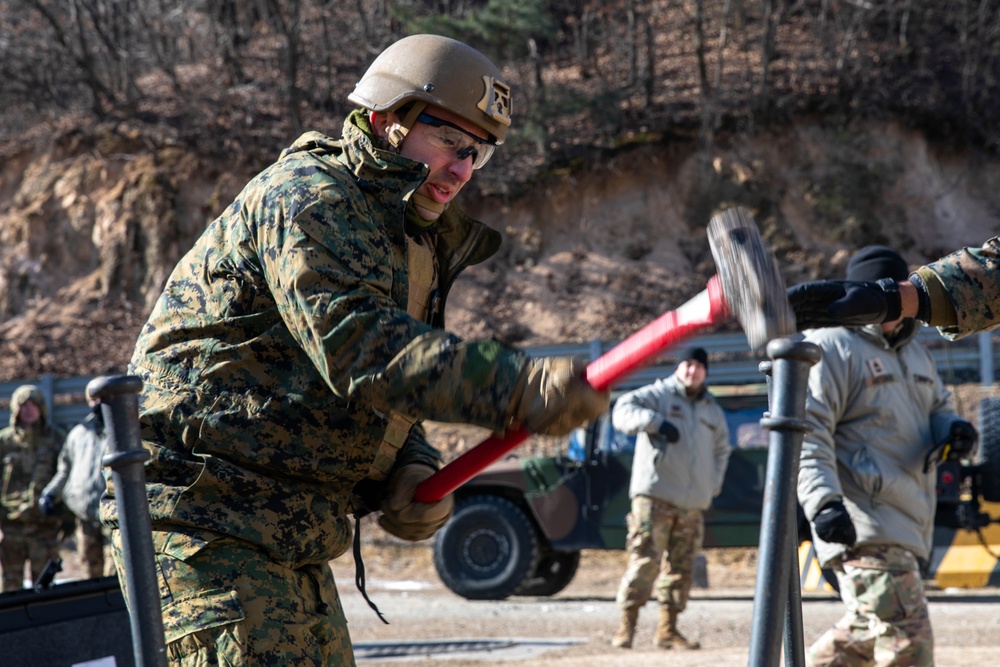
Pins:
x,y
91,223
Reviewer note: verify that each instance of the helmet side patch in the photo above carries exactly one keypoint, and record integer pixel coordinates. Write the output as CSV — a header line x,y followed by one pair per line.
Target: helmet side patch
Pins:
x,y
496,100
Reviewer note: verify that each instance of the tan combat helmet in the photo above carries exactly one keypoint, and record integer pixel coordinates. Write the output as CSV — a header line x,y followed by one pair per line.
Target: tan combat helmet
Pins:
x,y
431,69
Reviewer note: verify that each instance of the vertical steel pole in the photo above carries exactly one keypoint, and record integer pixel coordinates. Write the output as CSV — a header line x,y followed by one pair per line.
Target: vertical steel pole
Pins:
x,y
119,397
787,388
985,339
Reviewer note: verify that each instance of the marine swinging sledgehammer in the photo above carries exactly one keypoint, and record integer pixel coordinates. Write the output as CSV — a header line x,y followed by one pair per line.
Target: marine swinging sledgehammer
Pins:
x,y
748,285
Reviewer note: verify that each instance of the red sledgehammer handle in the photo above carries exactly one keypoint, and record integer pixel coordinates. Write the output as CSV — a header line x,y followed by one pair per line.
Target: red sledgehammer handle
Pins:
x,y
705,309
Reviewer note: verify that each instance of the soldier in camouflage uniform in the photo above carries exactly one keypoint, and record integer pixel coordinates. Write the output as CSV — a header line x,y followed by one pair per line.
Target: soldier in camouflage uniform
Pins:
x,y
959,294
297,346
878,409
681,454
79,483
28,449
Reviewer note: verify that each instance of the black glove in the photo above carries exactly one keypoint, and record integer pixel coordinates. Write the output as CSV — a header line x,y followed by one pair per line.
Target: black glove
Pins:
x,y
961,440
47,505
844,303
669,431
833,524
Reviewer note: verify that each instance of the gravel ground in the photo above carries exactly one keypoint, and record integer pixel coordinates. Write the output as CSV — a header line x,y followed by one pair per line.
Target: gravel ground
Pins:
x,y
429,625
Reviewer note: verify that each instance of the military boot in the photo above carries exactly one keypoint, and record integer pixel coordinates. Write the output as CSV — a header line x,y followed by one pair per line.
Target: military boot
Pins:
x,y
623,638
667,635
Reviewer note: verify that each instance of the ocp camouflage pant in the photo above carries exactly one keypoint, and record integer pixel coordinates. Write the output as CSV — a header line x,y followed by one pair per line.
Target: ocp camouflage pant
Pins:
x,y
35,543
90,539
226,604
663,542
887,623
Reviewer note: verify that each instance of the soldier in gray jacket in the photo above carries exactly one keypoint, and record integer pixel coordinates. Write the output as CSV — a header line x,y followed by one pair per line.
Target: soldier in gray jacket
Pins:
x,y
681,454
867,481
79,482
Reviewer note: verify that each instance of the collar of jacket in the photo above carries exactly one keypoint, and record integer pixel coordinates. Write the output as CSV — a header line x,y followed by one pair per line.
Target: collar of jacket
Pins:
x,y
387,178
873,332
465,241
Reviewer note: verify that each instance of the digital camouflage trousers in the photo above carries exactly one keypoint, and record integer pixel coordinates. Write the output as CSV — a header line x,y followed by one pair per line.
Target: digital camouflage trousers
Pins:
x,y
887,623
226,604
663,542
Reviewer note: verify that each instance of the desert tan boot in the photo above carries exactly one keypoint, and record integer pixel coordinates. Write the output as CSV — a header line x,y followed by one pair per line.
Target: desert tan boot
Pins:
x,y
667,635
623,638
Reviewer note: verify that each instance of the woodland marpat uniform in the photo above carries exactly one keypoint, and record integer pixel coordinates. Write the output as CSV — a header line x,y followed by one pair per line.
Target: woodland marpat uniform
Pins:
x,y
265,386
969,281
265,356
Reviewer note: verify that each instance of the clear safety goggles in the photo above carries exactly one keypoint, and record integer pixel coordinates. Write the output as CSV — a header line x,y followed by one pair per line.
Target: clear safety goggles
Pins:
x,y
451,138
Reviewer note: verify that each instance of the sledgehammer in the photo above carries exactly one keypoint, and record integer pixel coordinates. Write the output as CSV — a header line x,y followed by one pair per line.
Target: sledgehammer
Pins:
x,y
748,285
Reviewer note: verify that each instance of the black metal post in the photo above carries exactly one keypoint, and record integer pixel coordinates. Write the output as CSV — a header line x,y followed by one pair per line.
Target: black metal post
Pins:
x,y
119,396
794,641
777,585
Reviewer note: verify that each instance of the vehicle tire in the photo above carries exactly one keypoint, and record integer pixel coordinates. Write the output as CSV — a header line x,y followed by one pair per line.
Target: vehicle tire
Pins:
x,y
989,449
487,548
554,572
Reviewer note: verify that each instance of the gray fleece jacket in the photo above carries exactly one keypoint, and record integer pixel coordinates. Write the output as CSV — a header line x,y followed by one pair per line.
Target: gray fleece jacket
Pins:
x,y
876,407
687,473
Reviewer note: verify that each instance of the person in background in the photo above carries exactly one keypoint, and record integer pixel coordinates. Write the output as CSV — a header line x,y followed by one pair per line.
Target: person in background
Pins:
x,y
680,460
28,451
79,483
959,294
297,347
881,419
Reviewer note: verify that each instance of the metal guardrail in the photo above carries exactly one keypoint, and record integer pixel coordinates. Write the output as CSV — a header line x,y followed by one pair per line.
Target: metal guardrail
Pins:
x,y
971,360
732,362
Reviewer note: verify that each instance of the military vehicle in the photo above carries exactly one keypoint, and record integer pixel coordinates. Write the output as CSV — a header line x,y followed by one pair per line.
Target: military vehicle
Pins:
x,y
519,526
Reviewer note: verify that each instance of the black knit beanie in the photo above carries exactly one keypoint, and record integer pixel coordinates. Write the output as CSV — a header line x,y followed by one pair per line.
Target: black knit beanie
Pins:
x,y
874,262
693,352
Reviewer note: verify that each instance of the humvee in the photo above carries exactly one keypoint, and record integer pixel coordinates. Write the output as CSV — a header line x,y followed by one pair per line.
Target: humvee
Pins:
x,y
519,526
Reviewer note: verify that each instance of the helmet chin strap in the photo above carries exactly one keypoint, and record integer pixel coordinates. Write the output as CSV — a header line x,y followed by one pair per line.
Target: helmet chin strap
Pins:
x,y
396,137
399,132
420,200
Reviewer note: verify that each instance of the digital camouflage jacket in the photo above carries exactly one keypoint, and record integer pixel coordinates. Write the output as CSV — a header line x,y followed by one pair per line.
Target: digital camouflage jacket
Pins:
x,y
29,458
281,342
967,280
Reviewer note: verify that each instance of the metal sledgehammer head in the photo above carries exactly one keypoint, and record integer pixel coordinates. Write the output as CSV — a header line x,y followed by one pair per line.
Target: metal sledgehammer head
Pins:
x,y
751,283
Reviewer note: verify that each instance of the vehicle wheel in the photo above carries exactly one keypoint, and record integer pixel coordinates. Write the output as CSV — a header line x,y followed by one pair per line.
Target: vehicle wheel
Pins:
x,y
989,449
554,572
486,549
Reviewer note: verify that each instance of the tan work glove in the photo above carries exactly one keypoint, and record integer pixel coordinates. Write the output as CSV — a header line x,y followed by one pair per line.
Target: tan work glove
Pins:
x,y
406,518
554,397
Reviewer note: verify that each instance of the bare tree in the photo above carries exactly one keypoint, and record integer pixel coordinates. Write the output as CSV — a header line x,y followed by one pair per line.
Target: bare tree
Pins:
x,y
772,10
284,18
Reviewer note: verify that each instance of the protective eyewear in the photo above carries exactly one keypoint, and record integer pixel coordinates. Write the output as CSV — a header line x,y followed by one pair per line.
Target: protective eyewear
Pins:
x,y
451,138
